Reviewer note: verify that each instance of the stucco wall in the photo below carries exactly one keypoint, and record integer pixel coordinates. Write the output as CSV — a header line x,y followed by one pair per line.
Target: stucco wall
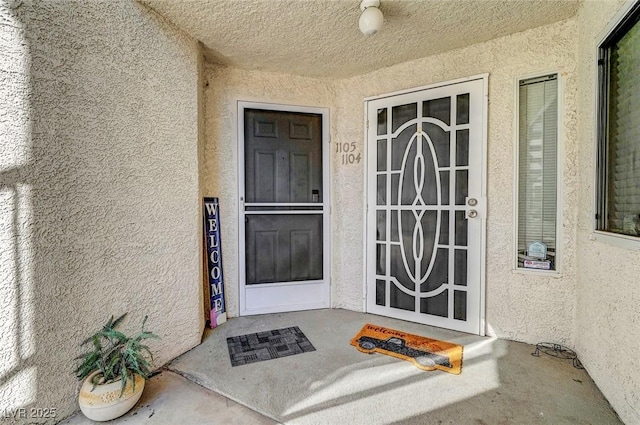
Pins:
x,y
521,307
99,205
224,86
608,315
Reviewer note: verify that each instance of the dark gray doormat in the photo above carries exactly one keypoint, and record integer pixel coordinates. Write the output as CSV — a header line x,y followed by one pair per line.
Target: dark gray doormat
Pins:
x,y
252,348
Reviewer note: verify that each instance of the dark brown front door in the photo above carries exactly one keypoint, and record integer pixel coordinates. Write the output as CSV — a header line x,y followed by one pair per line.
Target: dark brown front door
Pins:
x,y
283,203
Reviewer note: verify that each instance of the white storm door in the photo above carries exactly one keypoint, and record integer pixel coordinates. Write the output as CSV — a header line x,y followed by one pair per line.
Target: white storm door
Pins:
x,y
426,209
283,208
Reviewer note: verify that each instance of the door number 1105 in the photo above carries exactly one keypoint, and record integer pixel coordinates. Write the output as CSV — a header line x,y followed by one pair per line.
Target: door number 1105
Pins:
x,y
348,153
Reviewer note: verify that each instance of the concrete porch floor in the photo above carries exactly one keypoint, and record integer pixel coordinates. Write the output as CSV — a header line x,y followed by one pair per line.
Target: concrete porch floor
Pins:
x,y
501,383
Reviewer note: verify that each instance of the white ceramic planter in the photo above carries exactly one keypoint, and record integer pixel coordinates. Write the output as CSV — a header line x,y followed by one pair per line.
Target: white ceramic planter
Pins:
x,y
104,402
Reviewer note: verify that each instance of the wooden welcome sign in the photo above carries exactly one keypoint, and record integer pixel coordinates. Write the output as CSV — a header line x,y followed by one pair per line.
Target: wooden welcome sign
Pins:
x,y
213,251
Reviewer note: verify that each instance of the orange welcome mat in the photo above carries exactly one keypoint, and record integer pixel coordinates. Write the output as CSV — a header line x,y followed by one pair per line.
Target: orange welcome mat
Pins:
x,y
424,353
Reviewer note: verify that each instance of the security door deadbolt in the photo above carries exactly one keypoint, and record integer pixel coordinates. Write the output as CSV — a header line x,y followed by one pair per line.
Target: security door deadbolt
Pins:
x,y
472,202
472,213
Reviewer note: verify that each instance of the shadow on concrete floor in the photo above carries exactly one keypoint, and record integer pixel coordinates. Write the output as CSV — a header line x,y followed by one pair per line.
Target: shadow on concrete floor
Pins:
x,y
501,383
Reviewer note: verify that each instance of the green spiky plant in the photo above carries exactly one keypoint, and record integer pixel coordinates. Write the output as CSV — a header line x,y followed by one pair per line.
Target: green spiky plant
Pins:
x,y
116,355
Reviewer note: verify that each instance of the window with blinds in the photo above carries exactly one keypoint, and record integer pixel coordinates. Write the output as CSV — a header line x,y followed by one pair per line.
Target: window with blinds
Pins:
x,y
537,154
619,129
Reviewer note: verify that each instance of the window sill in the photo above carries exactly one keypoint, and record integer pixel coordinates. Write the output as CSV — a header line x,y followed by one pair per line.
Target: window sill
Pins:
x,y
535,272
631,243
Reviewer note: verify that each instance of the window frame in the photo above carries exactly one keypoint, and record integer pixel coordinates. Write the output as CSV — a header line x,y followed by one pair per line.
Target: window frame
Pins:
x,y
619,25
559,175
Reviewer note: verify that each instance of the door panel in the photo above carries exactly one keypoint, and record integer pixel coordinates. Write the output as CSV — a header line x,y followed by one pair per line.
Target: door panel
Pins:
x,y
426,205
283,248
263,179
300,172
283,156
283,210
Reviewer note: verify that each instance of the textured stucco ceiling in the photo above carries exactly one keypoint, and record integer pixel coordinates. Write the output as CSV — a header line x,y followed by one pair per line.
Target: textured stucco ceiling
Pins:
x,y
320,38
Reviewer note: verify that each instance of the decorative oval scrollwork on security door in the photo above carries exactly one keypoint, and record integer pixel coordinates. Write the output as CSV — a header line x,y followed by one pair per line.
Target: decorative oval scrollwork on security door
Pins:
x,y
419,171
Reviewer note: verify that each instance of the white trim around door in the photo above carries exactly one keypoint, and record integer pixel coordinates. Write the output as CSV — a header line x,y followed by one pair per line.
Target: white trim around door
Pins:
x,y
297,295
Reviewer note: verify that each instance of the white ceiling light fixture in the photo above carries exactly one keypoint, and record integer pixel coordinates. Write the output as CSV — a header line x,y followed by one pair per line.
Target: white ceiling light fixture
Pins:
x,y
371,18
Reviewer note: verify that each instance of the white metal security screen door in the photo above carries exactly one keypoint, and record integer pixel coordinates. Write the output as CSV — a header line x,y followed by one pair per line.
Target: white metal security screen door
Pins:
x,y
426,205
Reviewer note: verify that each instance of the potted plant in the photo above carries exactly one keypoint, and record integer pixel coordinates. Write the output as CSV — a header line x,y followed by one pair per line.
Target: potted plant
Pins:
x,y
113,372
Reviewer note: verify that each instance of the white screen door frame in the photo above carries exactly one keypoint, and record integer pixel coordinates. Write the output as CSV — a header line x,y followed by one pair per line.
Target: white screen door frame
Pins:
x,y
383,210
283,296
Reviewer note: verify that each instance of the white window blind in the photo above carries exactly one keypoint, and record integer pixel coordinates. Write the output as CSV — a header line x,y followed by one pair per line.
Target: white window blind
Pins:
x,y
538,165
623,137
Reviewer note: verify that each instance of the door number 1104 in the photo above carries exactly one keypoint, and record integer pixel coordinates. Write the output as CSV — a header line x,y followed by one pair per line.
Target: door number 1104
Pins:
x,y
348,153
